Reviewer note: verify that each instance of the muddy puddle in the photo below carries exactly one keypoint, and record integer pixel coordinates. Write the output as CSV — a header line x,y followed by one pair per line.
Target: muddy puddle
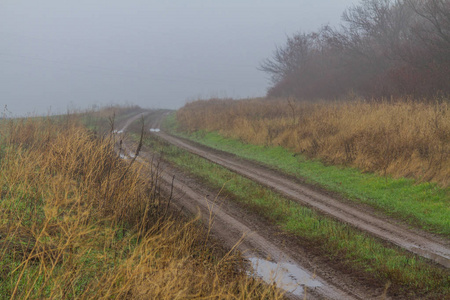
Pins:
x,y
286,276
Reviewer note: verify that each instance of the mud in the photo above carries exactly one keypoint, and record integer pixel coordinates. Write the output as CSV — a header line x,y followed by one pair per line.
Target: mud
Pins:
x,y
418,242
265,247
231,226
287,276
289,268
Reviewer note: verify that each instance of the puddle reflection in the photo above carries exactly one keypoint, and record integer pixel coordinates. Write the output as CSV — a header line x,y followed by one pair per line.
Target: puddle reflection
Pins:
x,y
287,276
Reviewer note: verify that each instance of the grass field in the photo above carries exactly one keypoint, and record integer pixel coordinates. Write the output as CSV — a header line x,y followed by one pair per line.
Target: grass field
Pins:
x,y
421,204
76,222
408,274
399,138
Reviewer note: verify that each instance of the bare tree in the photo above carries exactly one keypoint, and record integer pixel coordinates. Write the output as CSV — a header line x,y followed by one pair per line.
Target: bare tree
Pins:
x,y
290,58
433,27
383,48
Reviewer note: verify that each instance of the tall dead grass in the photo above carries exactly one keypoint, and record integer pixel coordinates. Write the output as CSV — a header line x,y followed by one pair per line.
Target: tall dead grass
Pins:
x,y
74,224
398,138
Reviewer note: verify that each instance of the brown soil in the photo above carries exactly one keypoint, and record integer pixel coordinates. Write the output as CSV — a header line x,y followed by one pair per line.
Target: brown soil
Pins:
x,y
231,222
418,242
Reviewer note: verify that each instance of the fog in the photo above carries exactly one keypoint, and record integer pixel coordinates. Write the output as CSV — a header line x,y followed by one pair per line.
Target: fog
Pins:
x,y
58,55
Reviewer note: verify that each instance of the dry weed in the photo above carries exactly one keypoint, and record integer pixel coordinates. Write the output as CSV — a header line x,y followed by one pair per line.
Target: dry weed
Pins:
x,y
400,138
74,224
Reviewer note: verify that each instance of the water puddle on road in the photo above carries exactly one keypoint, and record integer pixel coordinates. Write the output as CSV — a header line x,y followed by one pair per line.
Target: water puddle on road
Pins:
x,y
154,130
286,276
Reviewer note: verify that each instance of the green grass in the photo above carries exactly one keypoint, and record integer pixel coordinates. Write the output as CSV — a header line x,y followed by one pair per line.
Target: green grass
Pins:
x,y
424,205
87,265
351,248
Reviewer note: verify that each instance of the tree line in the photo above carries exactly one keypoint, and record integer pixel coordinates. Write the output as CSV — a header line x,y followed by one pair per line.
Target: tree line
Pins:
x,y
383,48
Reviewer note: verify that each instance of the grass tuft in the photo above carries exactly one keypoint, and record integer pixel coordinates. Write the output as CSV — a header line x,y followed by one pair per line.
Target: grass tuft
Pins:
x,y
78,222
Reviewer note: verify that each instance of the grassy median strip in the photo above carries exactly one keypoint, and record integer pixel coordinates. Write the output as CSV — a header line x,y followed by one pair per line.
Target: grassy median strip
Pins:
x,y
354,249
425,205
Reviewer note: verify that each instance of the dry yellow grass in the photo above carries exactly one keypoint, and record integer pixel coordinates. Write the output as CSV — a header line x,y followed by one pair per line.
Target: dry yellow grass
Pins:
x,y
400,138
74,224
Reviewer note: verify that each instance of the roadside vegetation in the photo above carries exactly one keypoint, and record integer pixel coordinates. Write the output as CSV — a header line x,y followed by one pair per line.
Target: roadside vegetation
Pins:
x,y
406,275
394,156
78,222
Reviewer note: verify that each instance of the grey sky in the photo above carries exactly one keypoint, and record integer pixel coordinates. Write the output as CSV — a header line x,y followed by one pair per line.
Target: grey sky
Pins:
x,y
64,54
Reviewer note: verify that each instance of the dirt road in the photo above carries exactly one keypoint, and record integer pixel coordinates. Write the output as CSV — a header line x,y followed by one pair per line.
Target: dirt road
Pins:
x,y
292,268
262,241
421,243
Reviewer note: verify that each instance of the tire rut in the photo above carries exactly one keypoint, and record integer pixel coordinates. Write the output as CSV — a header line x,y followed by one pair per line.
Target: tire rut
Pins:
x,y
232,227
420,243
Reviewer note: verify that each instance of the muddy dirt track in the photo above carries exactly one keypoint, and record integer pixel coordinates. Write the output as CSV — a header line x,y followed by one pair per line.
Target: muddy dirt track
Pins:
x,y
260,244
261,241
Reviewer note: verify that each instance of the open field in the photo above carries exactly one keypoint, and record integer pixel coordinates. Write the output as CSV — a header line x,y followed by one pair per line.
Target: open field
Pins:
x,y
407,188
425,205
78,222
396,138
349,249
376,260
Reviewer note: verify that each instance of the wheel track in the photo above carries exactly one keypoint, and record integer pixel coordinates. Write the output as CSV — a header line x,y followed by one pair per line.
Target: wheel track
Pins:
x,y
420,243
231,228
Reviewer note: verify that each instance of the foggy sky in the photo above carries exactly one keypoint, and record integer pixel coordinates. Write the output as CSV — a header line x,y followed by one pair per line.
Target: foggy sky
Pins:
x,y
58,54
